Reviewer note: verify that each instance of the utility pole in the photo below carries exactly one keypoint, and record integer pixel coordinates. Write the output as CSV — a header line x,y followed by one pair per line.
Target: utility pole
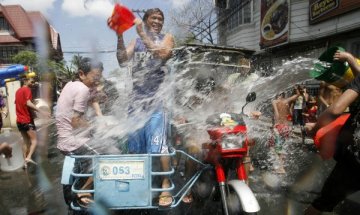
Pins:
x,y
139,12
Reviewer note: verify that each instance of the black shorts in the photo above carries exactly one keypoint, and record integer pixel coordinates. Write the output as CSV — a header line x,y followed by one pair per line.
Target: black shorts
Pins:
x,y
82,165
26,126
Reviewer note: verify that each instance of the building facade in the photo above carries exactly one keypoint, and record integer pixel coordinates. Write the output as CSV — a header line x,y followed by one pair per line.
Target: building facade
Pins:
x,y
283,29
18,31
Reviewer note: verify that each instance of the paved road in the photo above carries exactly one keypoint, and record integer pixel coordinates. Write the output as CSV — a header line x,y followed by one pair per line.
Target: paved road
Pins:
x,y
37,190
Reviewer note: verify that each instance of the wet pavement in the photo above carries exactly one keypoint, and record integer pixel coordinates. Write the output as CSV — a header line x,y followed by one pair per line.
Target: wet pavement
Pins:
x,y
37,190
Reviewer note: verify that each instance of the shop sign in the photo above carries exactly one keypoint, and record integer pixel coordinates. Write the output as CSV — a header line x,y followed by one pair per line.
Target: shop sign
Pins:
x,y
322,7
320,10
274,25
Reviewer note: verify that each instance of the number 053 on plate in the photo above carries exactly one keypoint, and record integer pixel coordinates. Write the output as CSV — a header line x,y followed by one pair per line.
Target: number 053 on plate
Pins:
x,y
121,170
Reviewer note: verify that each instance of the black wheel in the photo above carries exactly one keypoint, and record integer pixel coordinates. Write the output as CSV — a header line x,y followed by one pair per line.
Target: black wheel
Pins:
x,y
233,202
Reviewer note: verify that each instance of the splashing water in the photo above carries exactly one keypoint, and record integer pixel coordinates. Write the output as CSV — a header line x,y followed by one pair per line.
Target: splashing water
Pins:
x,y
197,92
181,95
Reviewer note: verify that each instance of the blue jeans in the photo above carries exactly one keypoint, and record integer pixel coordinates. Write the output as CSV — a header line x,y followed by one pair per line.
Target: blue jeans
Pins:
x,y
151,138
298,117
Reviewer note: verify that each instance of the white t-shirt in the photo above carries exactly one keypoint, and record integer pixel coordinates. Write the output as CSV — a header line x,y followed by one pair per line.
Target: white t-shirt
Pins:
x,y
74,97
299,103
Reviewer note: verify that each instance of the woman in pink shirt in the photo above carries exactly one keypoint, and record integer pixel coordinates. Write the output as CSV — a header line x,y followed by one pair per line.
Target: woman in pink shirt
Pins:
x,y
72,127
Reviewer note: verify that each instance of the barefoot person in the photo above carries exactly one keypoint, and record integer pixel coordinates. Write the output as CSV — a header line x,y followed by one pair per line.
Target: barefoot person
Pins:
x,y
24,119
328,94
148,55
281,106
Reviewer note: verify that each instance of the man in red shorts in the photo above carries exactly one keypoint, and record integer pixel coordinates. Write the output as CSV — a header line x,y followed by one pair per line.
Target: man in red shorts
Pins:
x,y
25,121
282,129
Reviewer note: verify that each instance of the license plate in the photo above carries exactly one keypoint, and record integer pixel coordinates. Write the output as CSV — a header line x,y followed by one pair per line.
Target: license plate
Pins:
x,y
112,170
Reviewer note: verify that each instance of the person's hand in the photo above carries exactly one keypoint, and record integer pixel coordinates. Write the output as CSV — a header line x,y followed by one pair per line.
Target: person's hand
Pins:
x,y
342,56
255,114
139,26
138,21
112,26
110,22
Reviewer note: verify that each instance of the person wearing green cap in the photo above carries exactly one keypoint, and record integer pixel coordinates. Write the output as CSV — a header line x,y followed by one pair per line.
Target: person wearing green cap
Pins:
x,y
350,59
344,178
329,93
336,67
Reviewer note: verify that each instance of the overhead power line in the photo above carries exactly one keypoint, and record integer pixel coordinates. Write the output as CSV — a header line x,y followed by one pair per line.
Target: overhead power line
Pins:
x,y
139,12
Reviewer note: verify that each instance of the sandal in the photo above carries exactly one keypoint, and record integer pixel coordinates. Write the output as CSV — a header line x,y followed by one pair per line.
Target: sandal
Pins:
x,y
188,198
85,200
165,199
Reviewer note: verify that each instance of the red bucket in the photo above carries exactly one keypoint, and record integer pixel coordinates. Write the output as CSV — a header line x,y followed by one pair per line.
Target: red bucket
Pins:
x,y
121,19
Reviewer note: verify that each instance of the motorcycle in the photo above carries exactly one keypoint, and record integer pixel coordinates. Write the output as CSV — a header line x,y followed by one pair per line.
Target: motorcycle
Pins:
x,y
125,181
227,152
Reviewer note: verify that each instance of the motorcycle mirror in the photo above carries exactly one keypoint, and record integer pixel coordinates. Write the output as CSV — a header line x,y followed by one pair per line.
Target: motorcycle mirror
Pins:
x,y
251,97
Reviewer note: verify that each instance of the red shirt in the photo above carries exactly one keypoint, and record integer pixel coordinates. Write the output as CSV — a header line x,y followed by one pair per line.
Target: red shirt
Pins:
x,y
22,95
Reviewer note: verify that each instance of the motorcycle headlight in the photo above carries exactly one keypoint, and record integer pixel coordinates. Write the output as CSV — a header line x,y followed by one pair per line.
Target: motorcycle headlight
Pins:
x,y
233,141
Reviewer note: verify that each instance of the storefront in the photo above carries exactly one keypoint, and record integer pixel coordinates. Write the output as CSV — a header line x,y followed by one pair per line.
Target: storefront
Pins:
x,y
285,29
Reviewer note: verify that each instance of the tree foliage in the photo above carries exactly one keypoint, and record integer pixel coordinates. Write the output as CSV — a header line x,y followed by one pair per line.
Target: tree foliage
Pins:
x,y
28,58
76,59
62,73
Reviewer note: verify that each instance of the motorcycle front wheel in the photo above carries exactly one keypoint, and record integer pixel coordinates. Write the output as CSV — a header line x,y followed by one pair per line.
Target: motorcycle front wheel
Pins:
x,y
234,202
